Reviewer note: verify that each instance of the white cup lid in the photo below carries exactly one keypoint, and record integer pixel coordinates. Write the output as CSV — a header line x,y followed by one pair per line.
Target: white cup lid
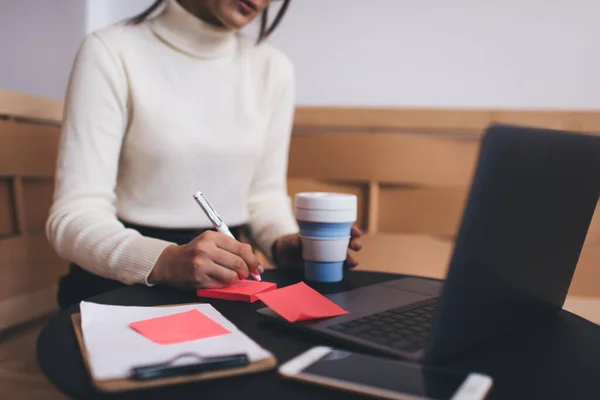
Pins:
x,y
325,201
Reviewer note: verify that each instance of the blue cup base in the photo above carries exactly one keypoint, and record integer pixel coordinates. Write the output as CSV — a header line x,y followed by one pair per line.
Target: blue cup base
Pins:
x,y
328,272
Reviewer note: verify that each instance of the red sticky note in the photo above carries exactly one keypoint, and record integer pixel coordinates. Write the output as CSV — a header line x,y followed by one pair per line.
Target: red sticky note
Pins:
x,y
177,328
244,290
299,302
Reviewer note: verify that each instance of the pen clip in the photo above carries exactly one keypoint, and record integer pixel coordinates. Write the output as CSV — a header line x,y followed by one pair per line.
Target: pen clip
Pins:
x,y
208,210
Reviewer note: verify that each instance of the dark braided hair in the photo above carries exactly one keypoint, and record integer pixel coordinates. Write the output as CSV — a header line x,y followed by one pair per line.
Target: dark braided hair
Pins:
x,y
138,19
265,29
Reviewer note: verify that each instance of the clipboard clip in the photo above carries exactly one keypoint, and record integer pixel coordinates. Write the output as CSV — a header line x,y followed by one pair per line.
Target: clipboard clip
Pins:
x,y
204,364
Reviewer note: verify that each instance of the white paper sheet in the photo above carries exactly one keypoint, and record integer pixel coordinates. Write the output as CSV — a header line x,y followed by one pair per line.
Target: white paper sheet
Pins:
x,y
113,348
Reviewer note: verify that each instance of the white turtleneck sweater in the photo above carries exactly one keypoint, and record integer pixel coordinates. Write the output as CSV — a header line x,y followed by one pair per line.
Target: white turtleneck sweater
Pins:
x,y
156,112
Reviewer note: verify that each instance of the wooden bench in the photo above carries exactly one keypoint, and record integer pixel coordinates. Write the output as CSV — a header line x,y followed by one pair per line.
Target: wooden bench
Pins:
x,y
409,168
29,267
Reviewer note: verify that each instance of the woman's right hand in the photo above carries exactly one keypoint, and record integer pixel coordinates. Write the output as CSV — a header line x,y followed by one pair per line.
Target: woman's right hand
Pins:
x,y
211,260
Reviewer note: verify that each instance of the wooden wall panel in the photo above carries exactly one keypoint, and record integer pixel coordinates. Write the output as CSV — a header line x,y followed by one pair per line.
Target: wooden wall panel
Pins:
x,y
411,254
587,275
26,307
297,185
21,105
7,216
37,199
425,255
586,281
28,263
385,158
594,230
28,149
434,211
444,120
29,267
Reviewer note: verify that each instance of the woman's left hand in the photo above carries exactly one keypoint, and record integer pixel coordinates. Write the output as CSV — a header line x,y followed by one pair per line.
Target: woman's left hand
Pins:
x,y
287,250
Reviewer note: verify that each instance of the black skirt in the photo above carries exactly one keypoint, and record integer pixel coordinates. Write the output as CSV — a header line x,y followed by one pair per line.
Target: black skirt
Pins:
x,y
79,284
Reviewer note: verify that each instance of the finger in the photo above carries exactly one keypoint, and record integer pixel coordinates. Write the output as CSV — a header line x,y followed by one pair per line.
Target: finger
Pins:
x,y
221,275
242,250
209,283
355,244
231,261
296,242
204,277
355,232
294,246
351,262
294,251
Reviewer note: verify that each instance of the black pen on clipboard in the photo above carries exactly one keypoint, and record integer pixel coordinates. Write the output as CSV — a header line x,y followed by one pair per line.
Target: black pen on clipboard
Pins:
x,y
217,221
208,364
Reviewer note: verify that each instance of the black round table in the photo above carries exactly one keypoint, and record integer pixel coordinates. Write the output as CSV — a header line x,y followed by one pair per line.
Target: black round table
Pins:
x,y
559,359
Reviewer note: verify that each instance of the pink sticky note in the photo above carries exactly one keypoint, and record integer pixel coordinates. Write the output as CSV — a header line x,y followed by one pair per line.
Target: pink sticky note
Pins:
x,y
299,302
245,290
177,328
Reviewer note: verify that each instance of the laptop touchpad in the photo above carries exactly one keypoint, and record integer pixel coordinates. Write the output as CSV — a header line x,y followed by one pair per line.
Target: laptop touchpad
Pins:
x,y
372,299
417,285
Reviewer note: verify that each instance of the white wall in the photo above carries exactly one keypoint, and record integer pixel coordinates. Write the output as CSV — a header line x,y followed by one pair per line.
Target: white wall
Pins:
x,y
38,40
101,13
439,53
434,53
445,53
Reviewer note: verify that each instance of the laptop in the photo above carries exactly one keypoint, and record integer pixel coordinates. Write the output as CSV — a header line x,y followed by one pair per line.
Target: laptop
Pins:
x,y
532,198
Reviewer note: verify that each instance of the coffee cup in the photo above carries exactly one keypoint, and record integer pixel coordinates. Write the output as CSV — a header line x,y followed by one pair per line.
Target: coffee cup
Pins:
x,y
325,221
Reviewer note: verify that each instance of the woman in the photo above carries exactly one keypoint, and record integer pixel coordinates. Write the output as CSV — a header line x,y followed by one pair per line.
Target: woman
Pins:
x,y
157,109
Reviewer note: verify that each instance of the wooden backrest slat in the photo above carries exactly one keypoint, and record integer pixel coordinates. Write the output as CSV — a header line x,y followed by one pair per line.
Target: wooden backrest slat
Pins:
x,y
29,267
7,212
411,170
434,211
408,159
441,120
21,106
28,149
37,200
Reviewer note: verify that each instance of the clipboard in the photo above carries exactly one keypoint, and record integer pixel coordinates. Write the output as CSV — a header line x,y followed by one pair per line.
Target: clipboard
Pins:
x,y
121,385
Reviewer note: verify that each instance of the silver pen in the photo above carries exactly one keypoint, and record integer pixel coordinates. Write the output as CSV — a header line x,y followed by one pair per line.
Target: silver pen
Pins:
x,y
216,220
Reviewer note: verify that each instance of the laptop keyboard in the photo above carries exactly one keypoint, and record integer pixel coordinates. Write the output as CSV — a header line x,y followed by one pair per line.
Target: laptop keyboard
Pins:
x,y
401,328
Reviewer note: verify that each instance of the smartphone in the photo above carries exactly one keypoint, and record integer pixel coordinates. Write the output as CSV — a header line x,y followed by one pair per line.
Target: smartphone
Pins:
x,y
383,378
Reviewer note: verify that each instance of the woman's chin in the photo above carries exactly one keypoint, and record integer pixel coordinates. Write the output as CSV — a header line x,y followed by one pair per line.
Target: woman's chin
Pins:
x,y
236,20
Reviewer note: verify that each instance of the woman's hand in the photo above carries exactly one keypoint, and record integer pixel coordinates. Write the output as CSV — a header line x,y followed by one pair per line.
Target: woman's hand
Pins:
x,y
211,260
287,250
